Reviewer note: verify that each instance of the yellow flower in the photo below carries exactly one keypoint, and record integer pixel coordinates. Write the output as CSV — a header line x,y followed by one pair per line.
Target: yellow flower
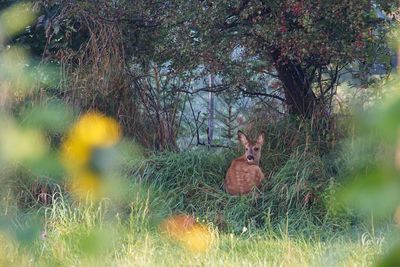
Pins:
x,y
86,183
75,154
191,235
92,131
95,129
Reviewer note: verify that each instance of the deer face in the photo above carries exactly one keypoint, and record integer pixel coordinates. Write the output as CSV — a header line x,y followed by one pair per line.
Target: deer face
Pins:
x,y
252,148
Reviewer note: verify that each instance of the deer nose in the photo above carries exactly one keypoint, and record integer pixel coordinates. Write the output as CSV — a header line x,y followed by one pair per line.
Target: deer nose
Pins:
x,y
250,157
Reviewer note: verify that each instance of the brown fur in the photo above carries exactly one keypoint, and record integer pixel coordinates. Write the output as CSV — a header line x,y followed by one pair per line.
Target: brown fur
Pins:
x,y
244,175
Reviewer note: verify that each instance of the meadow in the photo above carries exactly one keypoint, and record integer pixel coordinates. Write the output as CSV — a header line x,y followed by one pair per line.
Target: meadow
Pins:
x,y
96,235
269,229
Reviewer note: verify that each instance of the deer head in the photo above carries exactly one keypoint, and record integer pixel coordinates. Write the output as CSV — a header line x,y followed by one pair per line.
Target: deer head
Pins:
x,y
252,148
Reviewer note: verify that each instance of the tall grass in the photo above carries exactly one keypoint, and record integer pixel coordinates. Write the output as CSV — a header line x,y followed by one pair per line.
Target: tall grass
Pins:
x,y
97,235
193,181
287,222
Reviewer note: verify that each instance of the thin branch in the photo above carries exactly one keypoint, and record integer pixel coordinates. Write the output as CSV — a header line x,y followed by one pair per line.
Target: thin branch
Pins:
x,y
214,89
261,94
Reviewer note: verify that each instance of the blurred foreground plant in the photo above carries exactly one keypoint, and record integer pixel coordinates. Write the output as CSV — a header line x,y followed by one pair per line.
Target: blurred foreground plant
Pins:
x,y
26,155
372,187
192,235
30,130
87,153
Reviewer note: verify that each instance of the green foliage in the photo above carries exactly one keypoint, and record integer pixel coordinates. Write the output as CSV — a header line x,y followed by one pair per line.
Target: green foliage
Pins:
x,y
372,184
84,235
107,54
391,259
194,181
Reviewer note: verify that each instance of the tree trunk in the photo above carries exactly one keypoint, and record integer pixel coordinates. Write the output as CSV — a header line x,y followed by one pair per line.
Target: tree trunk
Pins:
x,y
299,97
210,129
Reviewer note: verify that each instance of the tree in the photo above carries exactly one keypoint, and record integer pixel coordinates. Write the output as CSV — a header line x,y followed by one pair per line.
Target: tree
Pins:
x,y
306,45
290,51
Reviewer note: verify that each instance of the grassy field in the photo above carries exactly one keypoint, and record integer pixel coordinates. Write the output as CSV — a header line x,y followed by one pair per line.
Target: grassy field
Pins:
x,y
149,250
294,219
97,235
275,228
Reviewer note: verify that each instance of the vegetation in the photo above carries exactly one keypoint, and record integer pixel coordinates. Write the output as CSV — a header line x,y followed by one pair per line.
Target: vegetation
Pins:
x,y
83,235
147,63
118,124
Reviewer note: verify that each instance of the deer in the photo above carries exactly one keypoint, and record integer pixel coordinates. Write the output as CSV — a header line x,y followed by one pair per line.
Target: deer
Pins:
x,y
245,173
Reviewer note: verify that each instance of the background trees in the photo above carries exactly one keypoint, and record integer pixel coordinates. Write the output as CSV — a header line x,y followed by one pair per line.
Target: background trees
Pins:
x,y
146,62
306,45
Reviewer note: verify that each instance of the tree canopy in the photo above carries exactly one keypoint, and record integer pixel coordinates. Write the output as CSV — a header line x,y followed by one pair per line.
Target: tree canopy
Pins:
x,y
143,57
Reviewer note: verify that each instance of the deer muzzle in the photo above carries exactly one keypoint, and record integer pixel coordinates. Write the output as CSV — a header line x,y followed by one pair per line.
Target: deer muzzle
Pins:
x,y
250,158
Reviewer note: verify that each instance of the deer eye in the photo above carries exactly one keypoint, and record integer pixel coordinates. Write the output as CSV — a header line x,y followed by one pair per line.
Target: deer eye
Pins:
x,y
256,149
247,149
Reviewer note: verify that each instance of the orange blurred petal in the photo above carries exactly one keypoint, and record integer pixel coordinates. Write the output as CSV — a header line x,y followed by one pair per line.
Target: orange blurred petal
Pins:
x,y
198,239
192,235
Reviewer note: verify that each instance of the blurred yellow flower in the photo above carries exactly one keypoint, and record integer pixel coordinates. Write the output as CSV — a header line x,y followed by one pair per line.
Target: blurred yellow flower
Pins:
x,y
193,236
86,183
92,131
95,129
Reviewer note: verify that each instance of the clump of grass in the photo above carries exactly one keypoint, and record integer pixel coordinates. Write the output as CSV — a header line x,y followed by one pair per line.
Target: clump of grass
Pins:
x,y
193,181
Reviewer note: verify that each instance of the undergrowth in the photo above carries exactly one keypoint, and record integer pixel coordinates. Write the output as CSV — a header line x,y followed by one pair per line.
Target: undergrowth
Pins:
x,y
193,181
297,195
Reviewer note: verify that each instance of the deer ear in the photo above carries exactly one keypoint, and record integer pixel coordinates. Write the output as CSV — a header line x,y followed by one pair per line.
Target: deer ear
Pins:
x,y
260,138
242,138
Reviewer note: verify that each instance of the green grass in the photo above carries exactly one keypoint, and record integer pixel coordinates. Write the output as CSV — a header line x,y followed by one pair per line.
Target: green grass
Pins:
x,y
192,182
99,235
288,223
